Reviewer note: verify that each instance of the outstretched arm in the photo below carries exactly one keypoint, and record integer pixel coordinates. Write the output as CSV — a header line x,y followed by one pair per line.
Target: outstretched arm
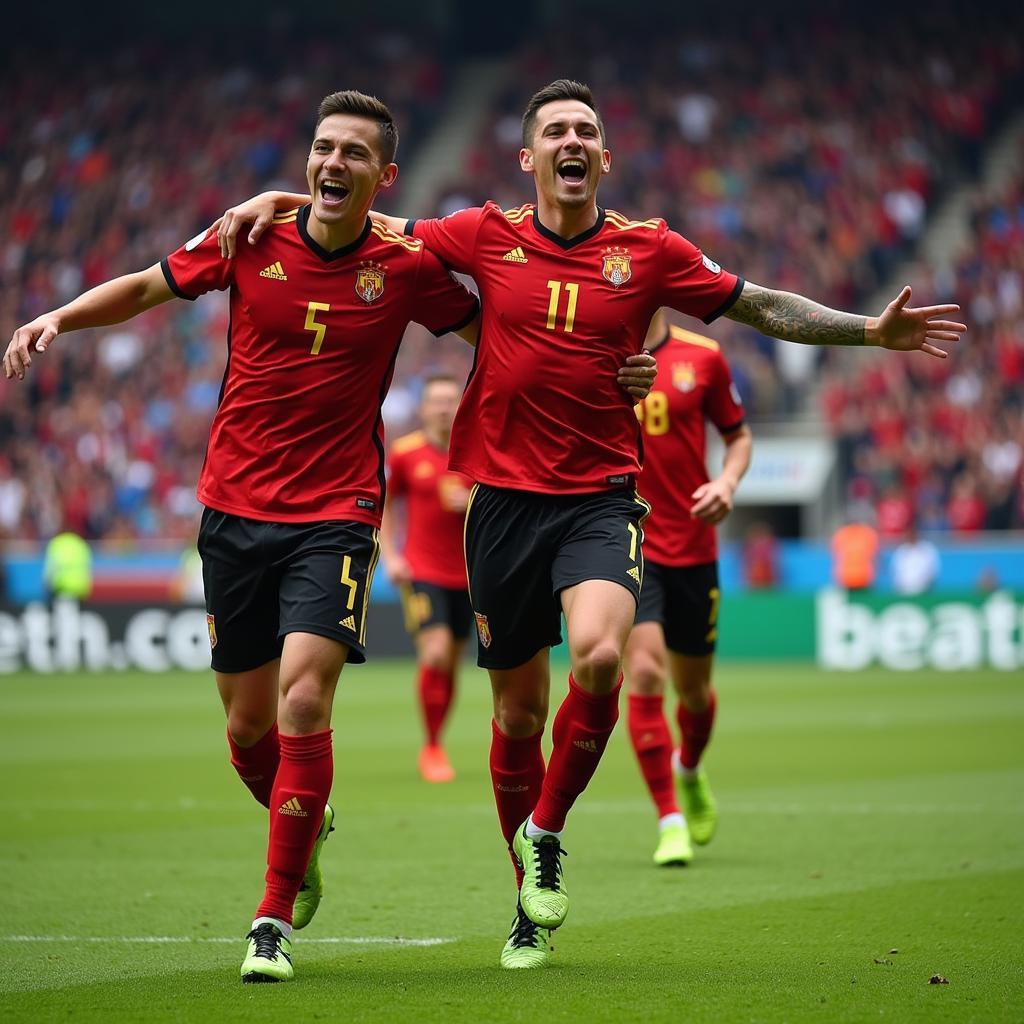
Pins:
x,y
795,318
260,211
112,302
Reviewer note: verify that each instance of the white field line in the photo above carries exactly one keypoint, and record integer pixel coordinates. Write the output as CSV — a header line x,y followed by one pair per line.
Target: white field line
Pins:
x,y
185,940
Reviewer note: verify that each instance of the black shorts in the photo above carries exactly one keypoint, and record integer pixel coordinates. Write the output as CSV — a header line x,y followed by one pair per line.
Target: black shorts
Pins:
x,y
523,549
265,580
684,599
429,604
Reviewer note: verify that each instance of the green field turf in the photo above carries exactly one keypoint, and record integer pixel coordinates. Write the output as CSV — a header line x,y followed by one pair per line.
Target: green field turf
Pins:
x,y
872,836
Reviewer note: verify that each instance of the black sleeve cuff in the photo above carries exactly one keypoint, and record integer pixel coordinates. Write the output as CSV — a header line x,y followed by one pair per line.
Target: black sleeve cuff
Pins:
x,y
172,284
410,226
731,429
728,304
462,323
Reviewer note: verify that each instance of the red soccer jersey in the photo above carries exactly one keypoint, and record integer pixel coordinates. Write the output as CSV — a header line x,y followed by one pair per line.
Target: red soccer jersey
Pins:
x,y
298,434
435,510
693,385
542,410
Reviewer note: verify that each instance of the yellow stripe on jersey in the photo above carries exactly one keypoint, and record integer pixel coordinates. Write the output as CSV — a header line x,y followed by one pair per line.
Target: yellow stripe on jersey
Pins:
x,y
407,442
286,216
387,235
374,558
519,214
680,334
622,223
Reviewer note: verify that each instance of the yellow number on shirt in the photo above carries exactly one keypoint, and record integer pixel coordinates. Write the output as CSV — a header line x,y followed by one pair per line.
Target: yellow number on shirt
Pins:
x,y
573,292
714,594
653,413
318,329
346,579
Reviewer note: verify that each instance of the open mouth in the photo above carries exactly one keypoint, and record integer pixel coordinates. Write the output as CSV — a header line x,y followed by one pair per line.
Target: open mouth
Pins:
x,y
572,171
333,192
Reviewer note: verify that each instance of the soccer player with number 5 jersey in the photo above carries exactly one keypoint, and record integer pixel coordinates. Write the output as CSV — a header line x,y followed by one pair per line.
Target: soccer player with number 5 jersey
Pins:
x,y
555,524
677,620
293,481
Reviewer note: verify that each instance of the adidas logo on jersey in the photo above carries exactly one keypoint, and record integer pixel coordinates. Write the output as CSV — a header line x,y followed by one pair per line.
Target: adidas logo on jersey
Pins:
x,y
635,573
292,808
349,622
275,272
516,255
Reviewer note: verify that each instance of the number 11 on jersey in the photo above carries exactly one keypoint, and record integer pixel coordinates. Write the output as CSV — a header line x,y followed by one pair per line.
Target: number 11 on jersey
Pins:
x,y
573,292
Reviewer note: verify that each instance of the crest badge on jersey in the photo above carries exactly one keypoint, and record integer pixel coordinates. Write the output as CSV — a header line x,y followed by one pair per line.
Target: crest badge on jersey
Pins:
x,y
483,630
684,377
615,267
370,281
211,628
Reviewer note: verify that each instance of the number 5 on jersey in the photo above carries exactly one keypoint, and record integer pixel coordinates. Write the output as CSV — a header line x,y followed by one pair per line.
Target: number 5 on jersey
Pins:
x,y
318,329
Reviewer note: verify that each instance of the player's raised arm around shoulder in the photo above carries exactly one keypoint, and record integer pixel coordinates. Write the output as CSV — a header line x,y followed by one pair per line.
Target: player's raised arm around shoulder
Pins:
x,y
259,212
112,302
795,318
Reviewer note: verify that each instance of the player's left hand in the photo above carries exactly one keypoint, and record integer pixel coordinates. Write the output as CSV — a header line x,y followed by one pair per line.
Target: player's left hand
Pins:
x,y
637,376
712,501
905,329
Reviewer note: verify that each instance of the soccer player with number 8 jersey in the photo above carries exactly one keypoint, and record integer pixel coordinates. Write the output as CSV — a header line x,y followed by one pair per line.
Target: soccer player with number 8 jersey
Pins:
x,y
554,526
677,620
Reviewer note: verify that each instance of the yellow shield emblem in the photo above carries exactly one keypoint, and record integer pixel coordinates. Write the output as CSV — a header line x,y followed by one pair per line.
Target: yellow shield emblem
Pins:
x,y
615,267
684,377
370,281
483,630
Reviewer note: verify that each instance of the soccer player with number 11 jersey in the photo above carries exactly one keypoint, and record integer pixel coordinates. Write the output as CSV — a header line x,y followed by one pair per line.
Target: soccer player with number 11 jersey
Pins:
x,y
554,526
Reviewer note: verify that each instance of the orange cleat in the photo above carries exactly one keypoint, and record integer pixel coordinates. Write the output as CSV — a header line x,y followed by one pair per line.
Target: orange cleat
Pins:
x,y
434,764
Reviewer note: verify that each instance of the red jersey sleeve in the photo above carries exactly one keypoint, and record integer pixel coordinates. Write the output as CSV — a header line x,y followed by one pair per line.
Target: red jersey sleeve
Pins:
x,y
442,303
692,282
722,404
198,267
452,238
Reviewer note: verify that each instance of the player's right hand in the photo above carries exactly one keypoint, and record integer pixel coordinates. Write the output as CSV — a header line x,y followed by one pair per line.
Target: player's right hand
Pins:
x,y
398,570
33,337
258,211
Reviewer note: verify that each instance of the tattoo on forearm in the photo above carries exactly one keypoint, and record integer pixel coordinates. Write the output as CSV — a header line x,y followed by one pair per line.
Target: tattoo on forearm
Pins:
x,y
794,318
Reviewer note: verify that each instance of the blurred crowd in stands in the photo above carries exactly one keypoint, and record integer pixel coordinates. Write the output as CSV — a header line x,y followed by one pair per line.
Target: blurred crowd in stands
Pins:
x,y
942,443
806,159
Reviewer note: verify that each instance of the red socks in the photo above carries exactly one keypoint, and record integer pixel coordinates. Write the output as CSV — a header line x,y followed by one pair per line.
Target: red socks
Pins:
x,y
652,743
517,774
257,765
435,688
695,727
579,735
297,801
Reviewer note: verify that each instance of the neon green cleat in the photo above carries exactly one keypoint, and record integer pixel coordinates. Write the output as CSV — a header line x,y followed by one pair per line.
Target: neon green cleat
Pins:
x,y
543,897
528,944
674,849
700,806
269,957
312,891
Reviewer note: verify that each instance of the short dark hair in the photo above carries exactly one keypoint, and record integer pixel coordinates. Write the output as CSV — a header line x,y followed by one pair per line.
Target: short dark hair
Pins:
x,y
359,104
560,89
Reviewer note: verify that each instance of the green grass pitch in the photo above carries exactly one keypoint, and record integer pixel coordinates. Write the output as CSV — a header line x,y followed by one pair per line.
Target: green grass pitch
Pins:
x,y
872,836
